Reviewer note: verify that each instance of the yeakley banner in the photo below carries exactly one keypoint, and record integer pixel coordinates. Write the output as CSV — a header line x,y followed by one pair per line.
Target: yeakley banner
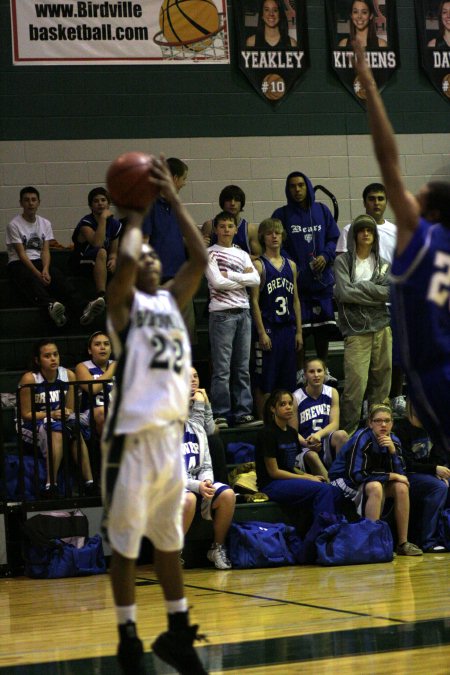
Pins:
x,y
80,32
272,40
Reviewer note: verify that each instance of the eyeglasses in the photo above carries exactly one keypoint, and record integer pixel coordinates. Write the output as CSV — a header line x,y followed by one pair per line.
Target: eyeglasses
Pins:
x,y
380,420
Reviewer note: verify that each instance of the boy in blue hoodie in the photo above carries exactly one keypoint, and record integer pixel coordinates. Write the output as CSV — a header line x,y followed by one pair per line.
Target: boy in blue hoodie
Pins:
x,y
312,234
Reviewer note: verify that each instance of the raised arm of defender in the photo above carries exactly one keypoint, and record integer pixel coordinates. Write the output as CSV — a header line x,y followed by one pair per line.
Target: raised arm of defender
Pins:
x,y
405,206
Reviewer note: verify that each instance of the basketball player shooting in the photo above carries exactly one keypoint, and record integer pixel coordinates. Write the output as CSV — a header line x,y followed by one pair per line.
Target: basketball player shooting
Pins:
x,y
144,477
420,271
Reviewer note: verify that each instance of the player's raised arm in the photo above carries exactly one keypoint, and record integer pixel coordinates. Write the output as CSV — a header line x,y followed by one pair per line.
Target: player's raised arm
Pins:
x,y
188,277
404,204
120,289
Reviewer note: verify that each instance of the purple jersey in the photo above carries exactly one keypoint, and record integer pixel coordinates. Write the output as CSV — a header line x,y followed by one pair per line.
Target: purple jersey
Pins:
x,y
313,413
99,399
421,311
276,295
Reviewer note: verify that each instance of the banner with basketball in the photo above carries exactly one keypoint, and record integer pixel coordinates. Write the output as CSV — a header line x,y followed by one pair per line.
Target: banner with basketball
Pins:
x,y
81,32
374,24
272,39
433,32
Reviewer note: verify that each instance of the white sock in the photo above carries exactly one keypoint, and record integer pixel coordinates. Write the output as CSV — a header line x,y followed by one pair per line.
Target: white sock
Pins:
x,y
126,613
174,606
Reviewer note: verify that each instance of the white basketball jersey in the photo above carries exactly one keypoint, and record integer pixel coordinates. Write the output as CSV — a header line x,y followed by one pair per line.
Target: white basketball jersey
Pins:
x,y
153,371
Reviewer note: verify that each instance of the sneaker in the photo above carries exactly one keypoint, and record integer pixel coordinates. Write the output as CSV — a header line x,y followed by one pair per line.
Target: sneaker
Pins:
x,y
435,549
218,555
221,423
398,405
329,378
247,421
91,490
408,549
92,309
130,655
50,492
300,378
176,649
57,313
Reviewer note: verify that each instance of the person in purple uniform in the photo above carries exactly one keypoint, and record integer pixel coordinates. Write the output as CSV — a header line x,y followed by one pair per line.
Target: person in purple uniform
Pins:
x,y
312,234
420,272
98,368
276,315
317,420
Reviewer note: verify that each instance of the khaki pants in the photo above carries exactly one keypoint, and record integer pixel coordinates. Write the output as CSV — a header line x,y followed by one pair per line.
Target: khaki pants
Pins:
x,y
367,369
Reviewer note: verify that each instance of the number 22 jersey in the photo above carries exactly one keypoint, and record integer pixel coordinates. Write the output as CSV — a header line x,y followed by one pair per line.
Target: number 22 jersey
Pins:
x,y
153,372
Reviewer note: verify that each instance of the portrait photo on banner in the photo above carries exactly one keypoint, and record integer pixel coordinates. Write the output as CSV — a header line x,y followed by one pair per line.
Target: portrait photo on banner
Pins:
x,y
372,23
272,40
433,32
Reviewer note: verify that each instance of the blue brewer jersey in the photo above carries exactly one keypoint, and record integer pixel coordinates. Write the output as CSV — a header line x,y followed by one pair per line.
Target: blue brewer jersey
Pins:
x,y
240,238
54,392
313,413
54,389
276,296
420,296
99,399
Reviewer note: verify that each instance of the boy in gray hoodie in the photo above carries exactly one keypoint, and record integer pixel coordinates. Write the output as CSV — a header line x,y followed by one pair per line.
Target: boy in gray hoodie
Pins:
x,y
361,293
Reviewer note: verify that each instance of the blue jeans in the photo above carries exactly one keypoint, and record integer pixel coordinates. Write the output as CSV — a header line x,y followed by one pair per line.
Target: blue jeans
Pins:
x,y
319,497
428,496
230,338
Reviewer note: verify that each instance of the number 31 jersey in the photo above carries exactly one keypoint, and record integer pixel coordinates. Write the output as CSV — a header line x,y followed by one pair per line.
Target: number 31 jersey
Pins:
x,y
276,296
153,372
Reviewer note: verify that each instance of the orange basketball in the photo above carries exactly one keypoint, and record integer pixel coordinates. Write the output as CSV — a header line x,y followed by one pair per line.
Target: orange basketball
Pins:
x,y
183,21
273,87
127,181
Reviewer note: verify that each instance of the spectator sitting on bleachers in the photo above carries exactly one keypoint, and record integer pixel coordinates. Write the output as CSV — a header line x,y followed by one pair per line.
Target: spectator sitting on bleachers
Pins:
x,y
277,446
48,376
317,420
99,367
213,499
370,468
96,240
428,480
29,264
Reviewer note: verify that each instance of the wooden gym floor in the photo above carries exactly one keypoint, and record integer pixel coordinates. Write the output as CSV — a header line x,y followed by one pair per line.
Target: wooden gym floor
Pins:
x,y
370,619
